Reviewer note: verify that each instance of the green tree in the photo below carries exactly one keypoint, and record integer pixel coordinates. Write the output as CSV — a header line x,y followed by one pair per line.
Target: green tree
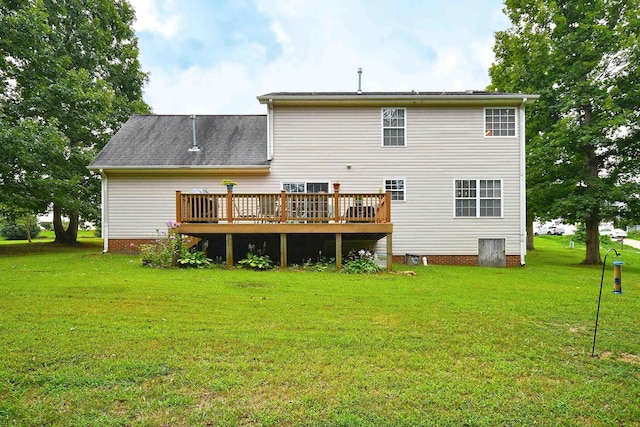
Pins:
x,y
583,134
70,77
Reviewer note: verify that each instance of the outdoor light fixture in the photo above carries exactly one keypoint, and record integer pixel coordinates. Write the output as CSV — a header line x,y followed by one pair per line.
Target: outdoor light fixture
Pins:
x,y
617,290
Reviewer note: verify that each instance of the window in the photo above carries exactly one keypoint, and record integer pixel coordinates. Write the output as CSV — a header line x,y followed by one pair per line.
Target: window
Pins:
x,y
478,198
500,122
393,127
305,187
396,186
293,187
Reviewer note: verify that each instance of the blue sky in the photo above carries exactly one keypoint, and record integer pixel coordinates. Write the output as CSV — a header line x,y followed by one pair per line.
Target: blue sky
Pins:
x,y
216,56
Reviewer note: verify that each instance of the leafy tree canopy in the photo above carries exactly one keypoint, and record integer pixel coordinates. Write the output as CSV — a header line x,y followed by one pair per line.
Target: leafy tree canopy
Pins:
x,y
69,77
583,135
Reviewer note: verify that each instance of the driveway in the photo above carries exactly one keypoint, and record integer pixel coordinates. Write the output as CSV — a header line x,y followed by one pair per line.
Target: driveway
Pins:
x,y
632,243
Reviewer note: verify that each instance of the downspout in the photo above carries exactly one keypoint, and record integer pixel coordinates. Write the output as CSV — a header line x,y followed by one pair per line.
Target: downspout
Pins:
x,y
523,187
105,211
270,130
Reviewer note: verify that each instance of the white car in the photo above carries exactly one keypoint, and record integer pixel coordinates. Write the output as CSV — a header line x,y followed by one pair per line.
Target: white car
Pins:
x,y
555,230
617,233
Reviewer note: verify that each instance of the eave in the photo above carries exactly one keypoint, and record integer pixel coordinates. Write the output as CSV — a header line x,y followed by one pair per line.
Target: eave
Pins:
x,y
403,100
256,170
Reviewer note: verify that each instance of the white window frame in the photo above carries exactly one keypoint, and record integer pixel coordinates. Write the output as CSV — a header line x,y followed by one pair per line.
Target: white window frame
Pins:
x,y
488,133
404,188
383,127
478,198
305,185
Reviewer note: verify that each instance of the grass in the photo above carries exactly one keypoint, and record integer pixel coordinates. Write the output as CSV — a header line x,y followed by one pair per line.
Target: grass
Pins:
x,y
92,339
48,236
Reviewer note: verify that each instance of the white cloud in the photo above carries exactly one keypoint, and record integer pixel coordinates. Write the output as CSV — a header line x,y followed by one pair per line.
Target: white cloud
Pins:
x,y
320,45
156,16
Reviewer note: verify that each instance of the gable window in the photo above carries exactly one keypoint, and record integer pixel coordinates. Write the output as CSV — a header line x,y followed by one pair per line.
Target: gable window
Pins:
x,y
499,122
478,198
393,127
397,188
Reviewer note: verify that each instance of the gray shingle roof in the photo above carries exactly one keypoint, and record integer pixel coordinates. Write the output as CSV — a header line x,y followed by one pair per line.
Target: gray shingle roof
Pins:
x,y
147,141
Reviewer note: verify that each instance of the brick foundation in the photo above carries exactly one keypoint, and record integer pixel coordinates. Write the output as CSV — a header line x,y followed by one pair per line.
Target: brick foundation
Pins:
x,y
128,246
512,260
132,246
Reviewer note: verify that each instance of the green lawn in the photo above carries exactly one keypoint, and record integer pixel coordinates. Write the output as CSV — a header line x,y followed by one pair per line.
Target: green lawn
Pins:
x,y
48,236
93,339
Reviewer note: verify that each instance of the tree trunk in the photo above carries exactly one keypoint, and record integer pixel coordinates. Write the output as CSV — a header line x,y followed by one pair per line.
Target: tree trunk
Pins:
x,y
68,236
592,163
530,231
592,240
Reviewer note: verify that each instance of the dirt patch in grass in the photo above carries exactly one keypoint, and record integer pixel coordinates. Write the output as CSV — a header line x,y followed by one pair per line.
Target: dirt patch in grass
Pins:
x,y
248,284
629,358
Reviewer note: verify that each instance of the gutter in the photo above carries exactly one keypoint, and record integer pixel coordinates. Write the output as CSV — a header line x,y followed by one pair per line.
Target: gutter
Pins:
x,y
180,167
270,130
523,186
104,229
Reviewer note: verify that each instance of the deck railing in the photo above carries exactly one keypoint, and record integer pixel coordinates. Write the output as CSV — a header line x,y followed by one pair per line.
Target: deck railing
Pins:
x,y
283,207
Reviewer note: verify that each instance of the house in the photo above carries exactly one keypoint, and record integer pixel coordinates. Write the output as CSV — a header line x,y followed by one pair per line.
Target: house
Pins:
x,y
436,174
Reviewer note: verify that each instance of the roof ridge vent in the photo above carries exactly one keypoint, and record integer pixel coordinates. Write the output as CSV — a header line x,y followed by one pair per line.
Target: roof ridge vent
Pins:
x,y
194,141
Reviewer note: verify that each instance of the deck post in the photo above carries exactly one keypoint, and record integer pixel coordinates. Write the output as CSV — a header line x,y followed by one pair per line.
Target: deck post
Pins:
x,y
178,206
389,252
338,251
229,250
283,206
387,202
283,250
336,203
230,206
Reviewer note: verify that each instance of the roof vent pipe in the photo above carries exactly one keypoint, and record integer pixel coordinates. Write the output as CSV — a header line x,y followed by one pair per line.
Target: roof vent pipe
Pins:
x,y
194,146
359,81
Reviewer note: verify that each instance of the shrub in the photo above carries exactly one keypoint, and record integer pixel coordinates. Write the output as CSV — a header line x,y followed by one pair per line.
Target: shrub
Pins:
x,y
165,251
362,261
320,264
194,259
13,231
257,259
47,225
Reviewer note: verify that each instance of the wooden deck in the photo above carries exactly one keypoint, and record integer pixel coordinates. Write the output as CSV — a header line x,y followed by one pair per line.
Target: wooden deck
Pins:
x,y
365,216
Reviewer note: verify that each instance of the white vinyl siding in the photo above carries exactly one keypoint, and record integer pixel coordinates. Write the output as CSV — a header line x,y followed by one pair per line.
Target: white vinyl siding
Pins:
x,y
313,144
447,143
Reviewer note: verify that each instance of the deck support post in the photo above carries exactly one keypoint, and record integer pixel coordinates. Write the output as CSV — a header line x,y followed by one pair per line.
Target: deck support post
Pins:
x,y
387,201
338,251
283,250
178,206
229,250
389,252
283,206
230,206
336,203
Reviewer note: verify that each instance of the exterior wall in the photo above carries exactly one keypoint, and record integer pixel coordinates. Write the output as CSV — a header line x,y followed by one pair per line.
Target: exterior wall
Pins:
x,y
316,144
472,260
442,144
